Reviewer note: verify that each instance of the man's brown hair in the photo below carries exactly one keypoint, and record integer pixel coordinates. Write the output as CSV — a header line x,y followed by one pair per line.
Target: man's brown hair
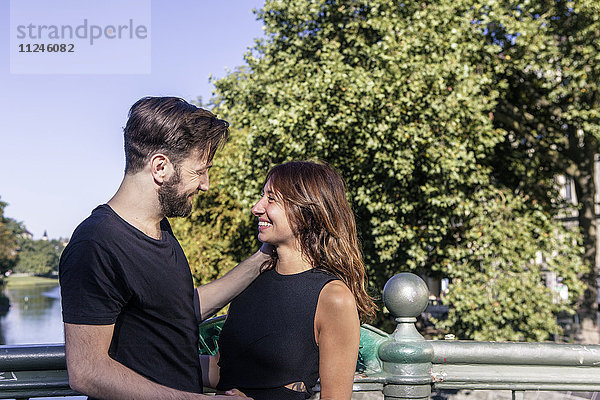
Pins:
x,y
171,126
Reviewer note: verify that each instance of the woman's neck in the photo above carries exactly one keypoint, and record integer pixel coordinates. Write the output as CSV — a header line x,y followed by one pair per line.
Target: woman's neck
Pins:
x,y
291,261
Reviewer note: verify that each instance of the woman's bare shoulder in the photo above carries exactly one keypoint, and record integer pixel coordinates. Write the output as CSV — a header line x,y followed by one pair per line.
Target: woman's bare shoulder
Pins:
x,y
336,297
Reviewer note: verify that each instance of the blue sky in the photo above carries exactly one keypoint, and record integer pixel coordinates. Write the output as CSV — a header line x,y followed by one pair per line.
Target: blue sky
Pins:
x,y
61,134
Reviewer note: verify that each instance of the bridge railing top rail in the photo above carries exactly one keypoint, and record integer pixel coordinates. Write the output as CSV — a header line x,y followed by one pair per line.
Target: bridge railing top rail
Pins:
x,y
401,364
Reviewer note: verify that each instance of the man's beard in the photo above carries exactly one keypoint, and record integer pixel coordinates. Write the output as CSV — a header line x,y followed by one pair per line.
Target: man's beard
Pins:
x,y
172,202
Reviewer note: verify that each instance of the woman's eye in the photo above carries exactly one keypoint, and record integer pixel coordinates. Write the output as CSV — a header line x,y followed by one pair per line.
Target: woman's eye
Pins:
x,y
271,199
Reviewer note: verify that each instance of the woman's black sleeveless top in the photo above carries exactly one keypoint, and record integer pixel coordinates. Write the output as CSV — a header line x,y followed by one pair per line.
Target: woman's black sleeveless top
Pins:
x,y
268,340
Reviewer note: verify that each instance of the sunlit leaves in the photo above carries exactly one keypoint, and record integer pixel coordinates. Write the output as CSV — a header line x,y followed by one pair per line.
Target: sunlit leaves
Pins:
x,y
400,97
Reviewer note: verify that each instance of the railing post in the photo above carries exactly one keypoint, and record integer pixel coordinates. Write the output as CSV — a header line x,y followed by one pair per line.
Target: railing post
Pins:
x,y
518,395
406,356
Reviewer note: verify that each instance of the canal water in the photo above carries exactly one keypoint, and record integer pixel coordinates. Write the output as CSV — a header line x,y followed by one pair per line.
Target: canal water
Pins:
x,y
33,317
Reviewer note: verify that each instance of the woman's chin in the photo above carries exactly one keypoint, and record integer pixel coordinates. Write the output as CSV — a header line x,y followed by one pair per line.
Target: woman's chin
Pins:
x,y
262,239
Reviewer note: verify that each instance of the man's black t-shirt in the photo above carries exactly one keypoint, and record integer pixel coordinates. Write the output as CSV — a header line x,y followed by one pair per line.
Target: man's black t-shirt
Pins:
x,y
112,273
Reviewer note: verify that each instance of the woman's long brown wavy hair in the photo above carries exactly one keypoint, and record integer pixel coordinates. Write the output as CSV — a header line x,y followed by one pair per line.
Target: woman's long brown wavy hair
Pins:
x,y
314,198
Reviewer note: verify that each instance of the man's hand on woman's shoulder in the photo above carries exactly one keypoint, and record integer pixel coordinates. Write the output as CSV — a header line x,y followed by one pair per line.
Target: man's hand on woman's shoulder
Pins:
x,y
268,249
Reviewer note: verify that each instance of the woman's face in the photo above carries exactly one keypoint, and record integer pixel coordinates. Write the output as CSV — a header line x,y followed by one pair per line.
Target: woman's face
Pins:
x,y
273,225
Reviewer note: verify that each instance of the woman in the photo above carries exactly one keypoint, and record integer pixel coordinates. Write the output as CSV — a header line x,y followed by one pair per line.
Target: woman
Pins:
x,y
300,319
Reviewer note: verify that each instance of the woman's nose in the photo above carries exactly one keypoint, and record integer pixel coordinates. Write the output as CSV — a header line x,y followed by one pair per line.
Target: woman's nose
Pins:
x,y
258,209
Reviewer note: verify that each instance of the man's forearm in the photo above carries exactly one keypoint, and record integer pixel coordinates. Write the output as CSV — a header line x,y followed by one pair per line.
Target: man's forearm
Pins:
x,y
94,373
215,295
109,379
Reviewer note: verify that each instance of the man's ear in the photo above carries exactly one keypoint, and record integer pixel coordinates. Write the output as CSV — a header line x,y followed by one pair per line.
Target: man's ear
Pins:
x,y
159,167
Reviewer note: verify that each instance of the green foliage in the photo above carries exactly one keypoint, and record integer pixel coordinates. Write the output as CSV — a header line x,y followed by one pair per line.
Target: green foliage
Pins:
x,y
551,111
496,292
19,253
38,257
10,231
400,98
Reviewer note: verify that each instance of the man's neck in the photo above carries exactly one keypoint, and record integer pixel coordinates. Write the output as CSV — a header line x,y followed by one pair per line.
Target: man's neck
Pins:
x,y
137,204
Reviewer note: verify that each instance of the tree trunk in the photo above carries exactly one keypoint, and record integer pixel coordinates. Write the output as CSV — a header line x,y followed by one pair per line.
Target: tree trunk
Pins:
x,y
583,179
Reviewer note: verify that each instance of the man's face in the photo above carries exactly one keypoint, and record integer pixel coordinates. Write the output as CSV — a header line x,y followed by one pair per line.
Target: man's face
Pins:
x,y
176,194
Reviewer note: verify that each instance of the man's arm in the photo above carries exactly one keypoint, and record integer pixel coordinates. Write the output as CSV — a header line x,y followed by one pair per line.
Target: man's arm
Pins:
x,y
94,373
213,296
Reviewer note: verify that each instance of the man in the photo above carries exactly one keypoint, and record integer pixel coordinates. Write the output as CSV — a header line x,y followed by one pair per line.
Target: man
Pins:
x,y
130,310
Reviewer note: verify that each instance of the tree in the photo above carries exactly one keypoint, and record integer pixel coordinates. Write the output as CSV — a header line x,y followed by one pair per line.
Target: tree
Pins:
x,y
38,257
400,98
551,111
10,230
497,294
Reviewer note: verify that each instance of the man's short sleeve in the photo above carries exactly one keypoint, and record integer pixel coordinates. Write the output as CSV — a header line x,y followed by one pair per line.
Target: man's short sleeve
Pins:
x,y
93,288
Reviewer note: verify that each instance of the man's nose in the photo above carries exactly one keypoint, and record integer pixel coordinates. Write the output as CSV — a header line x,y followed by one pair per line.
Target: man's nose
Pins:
x,y
204,184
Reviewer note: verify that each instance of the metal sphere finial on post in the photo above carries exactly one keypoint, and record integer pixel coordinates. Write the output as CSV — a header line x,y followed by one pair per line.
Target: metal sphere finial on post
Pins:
x,y
406,356
405,295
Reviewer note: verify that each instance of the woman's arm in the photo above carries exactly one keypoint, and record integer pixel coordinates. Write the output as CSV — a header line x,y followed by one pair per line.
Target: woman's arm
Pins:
x,y
210,370
337,330
210,375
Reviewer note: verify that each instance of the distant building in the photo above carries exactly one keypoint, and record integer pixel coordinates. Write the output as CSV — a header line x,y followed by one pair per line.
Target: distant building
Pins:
x,y
26,235
567,191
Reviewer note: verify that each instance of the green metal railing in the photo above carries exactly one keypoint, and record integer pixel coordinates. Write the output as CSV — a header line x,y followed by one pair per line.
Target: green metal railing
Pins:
x,y
413,366
33,371
402,365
